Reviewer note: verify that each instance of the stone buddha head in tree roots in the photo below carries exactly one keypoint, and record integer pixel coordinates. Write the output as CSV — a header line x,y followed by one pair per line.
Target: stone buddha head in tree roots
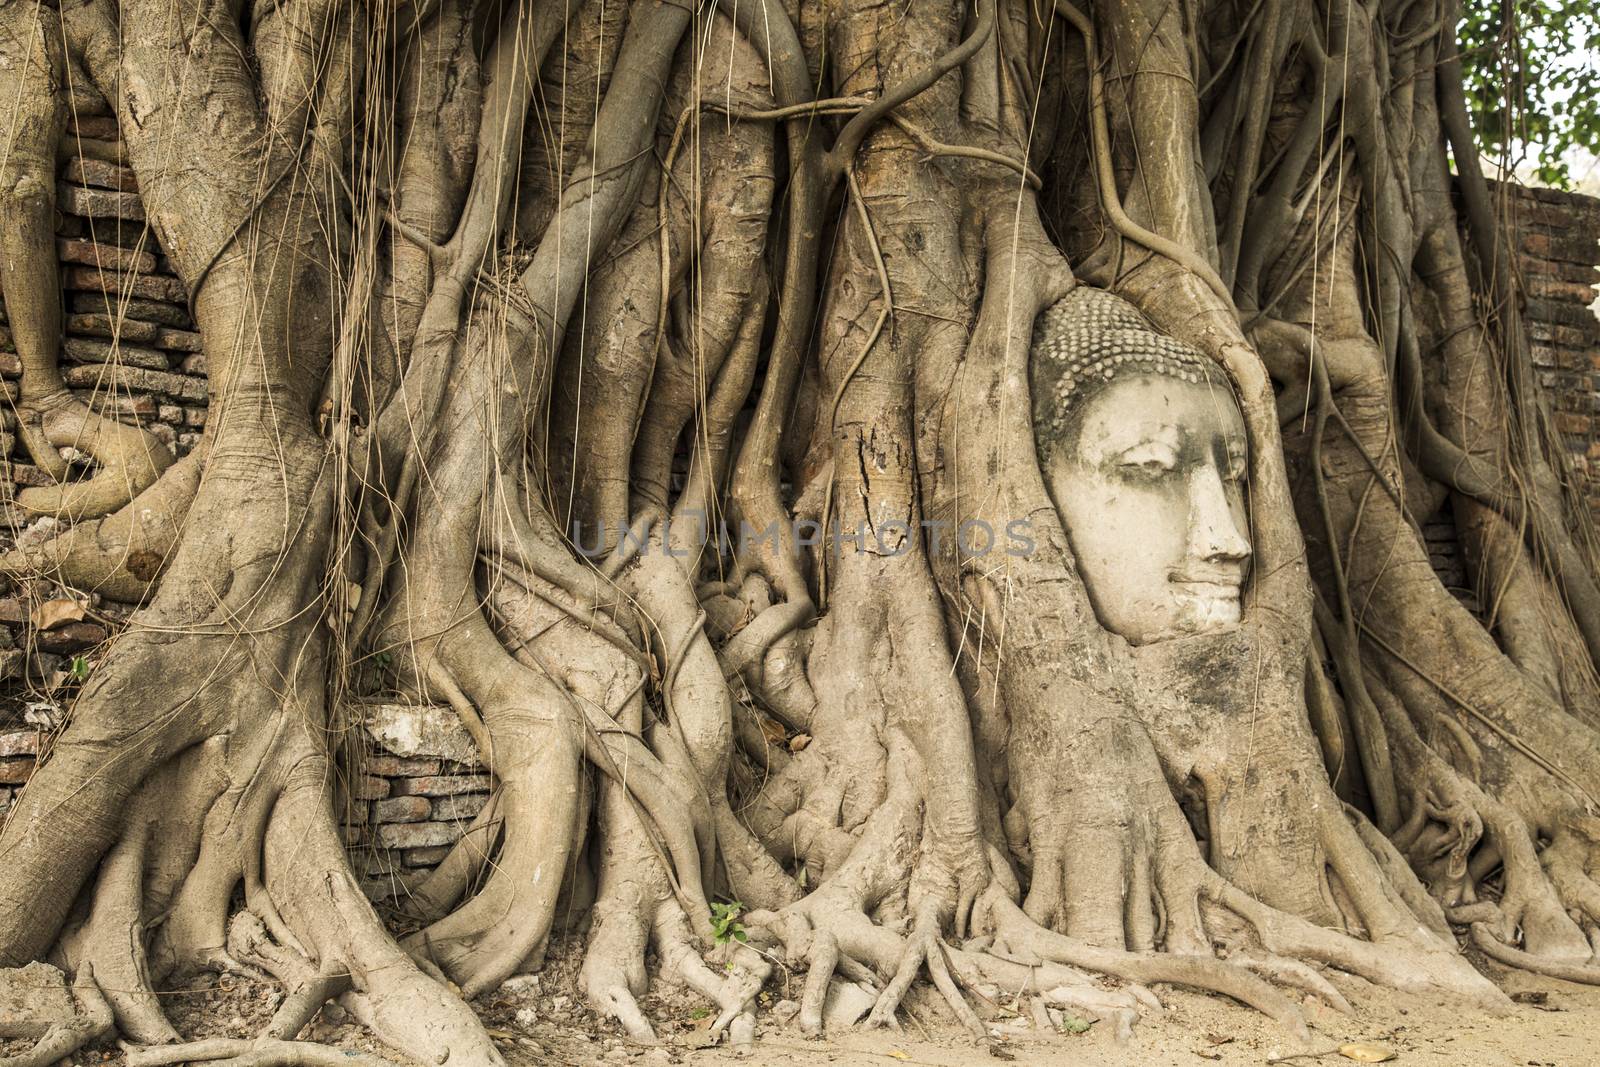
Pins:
x,y
1143,450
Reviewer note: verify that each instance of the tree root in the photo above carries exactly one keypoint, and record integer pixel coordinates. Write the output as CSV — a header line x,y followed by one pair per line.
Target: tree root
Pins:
x,y
262,1052
1587,973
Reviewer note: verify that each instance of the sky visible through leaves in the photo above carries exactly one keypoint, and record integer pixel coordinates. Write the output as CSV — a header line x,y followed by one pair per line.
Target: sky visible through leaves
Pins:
x,y
1532,71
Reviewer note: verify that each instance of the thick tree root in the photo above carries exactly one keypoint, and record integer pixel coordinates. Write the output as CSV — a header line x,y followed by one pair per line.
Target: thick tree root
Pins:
x,y
262,1052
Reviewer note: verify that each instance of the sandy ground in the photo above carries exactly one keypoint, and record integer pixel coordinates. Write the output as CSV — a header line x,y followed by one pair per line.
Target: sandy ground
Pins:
x,y
541,1021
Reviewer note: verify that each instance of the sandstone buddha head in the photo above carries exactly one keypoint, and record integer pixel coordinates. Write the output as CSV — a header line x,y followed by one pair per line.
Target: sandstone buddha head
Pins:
x,y
1143,450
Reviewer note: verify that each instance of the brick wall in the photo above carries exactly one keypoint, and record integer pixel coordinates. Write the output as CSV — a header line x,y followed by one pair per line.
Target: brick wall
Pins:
x,y
130,352
418,786
1558,244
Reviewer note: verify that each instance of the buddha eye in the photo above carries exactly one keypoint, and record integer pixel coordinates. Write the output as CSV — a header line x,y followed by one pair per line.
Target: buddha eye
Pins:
x,y
1148,461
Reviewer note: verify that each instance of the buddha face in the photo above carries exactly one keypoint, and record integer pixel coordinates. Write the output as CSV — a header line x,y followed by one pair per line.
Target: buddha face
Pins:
x,y
1150,487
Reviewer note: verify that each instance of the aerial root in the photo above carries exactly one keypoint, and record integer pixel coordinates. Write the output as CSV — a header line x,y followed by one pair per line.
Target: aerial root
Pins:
x,y
63,1039
262,1052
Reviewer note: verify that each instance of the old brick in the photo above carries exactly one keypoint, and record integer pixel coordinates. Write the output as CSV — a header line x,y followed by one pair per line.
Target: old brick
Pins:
x,y
16,771
105,256
366,787
195,364
104,126
398,767
417,834
112,326
5,801
19,743
156,311
195,416
425,857
118,405
143,286
73,637
135,379
26,474
85,350
441,785
98,174
10,365
1544,287
170,413
460,808
1571,422
178,340
401,809
99,203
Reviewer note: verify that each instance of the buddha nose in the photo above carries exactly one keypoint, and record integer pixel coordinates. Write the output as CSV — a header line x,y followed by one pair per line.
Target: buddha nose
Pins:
x,y
1214,534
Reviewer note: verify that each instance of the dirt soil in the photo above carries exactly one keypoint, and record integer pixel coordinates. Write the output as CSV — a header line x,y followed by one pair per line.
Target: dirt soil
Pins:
x,y
541,1020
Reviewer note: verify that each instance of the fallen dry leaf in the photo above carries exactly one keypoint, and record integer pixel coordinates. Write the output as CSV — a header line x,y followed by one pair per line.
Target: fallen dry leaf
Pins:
x,y
59,612
1366,1052
799,742
897,1054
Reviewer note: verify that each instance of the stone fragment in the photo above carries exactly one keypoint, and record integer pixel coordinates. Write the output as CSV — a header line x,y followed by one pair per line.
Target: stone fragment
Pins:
x,y
417,730
845,1005
32,999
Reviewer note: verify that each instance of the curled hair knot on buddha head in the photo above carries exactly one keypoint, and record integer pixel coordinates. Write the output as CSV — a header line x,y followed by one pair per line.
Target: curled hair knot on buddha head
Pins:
x,y
1091,338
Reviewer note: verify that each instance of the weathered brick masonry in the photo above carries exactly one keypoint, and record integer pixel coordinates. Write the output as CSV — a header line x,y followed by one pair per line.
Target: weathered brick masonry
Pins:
x,y
414,784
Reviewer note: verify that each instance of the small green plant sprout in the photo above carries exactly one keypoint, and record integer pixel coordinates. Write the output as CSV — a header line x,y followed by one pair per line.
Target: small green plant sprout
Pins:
x,y
80,668
725,924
